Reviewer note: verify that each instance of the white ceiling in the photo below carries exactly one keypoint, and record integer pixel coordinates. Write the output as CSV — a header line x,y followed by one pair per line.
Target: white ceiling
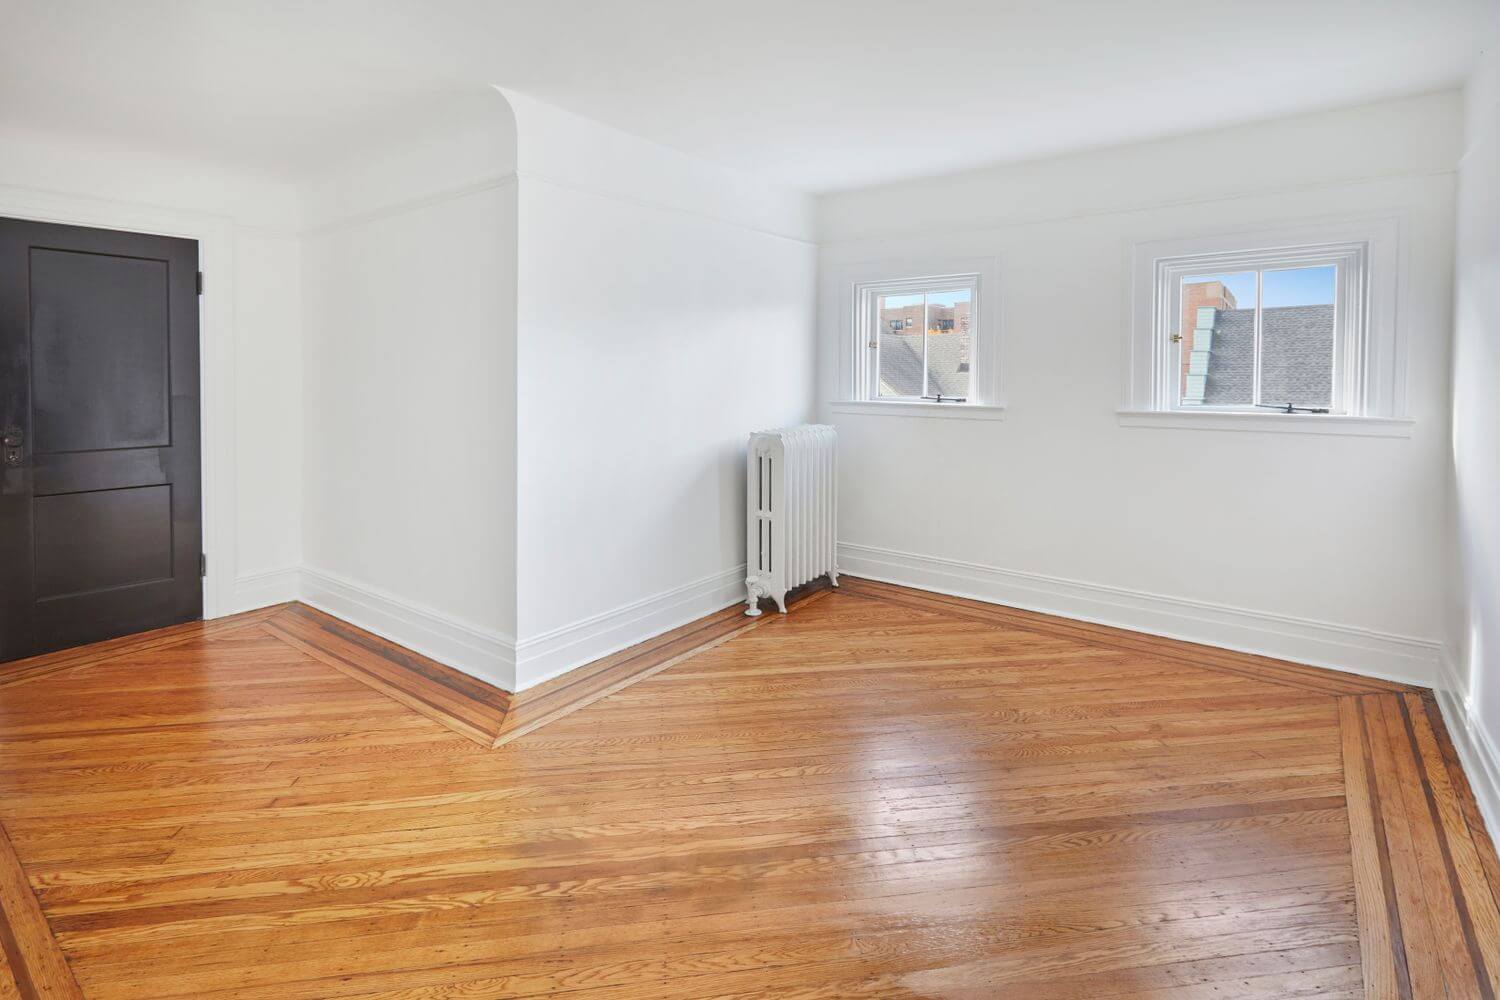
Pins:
x,y
815,94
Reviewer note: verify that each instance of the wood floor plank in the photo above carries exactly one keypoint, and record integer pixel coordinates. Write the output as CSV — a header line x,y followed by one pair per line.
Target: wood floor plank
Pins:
x,y
9,988
1467,883
1429,925
1462,967
33,963
881,794
1468,807
32,668
453,699
1423,961
1382,952
1208,657
535,707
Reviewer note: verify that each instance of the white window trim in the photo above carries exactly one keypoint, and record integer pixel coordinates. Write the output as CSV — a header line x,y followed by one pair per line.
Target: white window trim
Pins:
x,y
856,372
904,408
1210,419
1370,368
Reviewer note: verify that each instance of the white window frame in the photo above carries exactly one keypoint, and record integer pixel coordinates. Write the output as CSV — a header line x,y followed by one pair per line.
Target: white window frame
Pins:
x,y
859,325
1369,353
1350,261
868,315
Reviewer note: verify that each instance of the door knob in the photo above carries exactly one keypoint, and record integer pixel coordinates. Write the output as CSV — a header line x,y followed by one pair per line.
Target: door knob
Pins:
x,y
11,442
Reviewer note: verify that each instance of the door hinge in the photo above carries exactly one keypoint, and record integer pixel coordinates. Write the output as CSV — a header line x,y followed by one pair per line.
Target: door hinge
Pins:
x,y
200,282
202,564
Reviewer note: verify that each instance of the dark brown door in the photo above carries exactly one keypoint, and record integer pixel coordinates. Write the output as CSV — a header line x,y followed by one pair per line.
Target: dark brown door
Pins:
x,y
100,506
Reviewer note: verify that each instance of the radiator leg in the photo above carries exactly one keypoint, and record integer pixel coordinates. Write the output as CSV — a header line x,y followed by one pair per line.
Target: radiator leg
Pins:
x,y
754,592
833,578
780,601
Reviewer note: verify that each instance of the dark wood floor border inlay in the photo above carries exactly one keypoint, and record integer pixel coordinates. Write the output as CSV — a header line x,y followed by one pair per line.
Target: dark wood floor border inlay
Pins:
x,y
479,711
492,717
468,706
464,704
482,712
19,671
12,970
29,956
535,707
1429,922
1264,668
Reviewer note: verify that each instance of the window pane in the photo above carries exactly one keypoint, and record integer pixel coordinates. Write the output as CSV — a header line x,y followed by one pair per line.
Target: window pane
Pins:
x,y
949,343
1217,327
1296,337
899,318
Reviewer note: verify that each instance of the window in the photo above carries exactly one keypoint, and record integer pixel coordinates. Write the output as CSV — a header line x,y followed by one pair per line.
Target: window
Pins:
x,y
926,339
1285,323
919,338
1268,337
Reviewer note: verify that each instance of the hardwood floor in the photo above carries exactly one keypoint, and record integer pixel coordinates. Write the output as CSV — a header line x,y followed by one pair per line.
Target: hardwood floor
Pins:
x,y
453,699
887,793
535,707
1423,868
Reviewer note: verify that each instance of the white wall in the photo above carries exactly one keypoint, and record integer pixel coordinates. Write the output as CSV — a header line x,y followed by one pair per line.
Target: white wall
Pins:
x,y
1476,419
534,347
269,428
492,381
1320,548
666,310
410,464
247,229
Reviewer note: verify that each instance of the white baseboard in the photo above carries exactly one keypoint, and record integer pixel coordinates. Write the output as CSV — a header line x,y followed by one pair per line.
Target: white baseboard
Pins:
x,y
489,656
1323,644
545,656
1476,751
261,590
1448,679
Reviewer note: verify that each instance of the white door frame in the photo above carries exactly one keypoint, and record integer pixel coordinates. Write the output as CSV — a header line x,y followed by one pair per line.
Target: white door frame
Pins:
x,y
215,236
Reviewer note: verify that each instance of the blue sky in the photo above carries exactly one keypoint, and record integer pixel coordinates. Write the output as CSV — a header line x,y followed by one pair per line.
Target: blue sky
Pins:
x,y
1298,286
946,298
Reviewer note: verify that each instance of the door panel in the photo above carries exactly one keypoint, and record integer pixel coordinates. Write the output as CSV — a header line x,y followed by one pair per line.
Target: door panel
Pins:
x,y
99,362
101,539
100,523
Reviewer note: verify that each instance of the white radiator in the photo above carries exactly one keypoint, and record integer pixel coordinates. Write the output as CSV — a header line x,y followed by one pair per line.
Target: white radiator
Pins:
x,y
791,512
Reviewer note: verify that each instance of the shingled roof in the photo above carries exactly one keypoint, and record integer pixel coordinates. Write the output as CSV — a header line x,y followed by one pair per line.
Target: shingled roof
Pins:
x,y
901,365
1296,364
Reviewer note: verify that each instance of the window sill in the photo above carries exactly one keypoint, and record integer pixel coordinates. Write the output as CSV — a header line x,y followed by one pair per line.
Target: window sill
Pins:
x,y
940,411
1276,423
